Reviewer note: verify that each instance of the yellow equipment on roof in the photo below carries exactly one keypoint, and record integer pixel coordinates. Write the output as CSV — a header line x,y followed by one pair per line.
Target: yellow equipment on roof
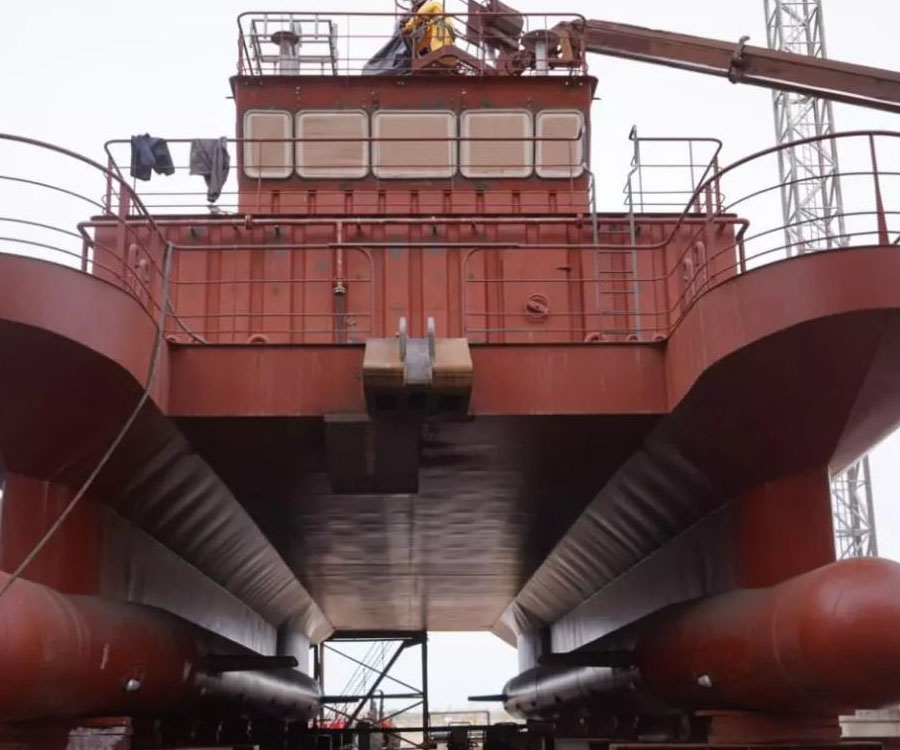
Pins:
x,y
432,30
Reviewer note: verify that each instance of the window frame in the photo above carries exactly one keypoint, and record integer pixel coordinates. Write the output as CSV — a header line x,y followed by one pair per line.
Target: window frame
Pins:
x,y
452,139
361,172
289,162
555,173
526,171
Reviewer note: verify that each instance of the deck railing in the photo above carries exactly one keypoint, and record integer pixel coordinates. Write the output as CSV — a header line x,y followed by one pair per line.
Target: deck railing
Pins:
x,y
241,279
49,195
314,43
183,193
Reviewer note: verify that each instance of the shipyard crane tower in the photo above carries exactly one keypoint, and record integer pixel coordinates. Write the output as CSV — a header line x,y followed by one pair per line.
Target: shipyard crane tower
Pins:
x,y
814,220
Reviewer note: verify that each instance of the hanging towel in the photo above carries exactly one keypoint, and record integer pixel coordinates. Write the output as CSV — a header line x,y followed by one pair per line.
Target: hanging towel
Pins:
x,y
149,153
209,157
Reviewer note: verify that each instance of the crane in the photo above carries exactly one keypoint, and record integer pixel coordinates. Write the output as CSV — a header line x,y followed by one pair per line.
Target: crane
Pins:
x,y
739,62
812,202
500,28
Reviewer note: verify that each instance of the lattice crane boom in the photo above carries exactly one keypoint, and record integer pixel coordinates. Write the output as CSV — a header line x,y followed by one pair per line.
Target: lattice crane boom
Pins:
x,y
812,203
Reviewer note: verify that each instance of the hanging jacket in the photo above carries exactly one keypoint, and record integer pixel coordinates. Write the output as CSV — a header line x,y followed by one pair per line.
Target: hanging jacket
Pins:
x,y
149,154
209,157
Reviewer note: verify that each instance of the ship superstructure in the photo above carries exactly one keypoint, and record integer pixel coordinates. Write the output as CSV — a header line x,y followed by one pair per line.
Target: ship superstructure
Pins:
x,y
391,370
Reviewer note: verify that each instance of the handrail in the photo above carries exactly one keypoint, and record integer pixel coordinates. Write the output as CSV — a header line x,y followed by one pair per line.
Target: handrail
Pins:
x,y
577,138
251,64
638,166
128,196
251,193
640,298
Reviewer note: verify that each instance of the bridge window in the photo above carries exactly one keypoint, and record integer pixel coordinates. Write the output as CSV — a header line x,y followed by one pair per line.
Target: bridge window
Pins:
x,y
333,158
263,159
410,158
413,144
563,154
492,158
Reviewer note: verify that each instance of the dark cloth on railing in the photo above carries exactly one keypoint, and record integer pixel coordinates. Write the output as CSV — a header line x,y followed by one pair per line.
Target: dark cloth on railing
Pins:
x,y
150,154
209,157
393,59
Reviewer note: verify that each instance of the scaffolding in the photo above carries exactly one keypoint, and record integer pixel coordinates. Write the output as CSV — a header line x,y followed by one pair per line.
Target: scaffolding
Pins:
x,y
361,702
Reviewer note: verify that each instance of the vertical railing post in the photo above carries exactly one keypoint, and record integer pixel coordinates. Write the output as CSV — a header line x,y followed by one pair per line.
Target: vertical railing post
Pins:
x,y
109,188
632,234
718,184
883,236
122,231
426,719
166,300
742,252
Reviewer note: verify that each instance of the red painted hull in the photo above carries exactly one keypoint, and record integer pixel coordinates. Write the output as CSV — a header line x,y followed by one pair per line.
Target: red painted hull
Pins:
x,y
820,644
825,642
70,656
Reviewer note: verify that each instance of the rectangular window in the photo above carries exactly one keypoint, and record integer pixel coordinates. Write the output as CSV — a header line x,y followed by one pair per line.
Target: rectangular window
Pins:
x,y
334,157
562,155
272,158
400,155
496,158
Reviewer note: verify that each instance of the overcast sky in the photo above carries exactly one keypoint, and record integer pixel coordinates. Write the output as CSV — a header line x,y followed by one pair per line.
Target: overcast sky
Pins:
x,y
79,73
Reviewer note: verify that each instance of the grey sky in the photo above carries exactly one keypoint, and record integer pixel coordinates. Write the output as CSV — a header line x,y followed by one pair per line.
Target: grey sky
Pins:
x,y
79,73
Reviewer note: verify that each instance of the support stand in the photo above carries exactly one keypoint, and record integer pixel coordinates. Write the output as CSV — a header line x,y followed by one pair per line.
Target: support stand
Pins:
x,y
349,708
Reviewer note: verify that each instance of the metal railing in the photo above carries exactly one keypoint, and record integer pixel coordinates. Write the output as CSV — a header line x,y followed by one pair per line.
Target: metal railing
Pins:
x,y
53,198
343,43
518,279
635,289
183,193
187,194
661,182
64,189
279,43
